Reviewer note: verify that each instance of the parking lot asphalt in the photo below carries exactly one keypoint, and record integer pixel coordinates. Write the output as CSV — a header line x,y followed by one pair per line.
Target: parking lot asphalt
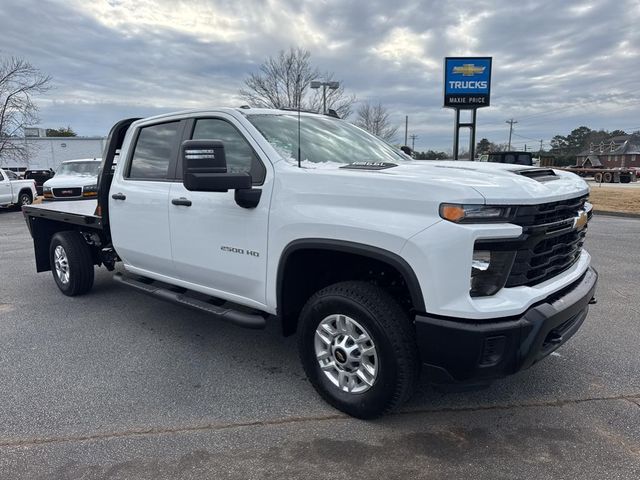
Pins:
x,y
118,385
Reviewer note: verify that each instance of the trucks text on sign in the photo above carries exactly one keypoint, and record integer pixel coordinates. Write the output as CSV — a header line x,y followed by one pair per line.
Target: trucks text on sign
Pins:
x,y
467,82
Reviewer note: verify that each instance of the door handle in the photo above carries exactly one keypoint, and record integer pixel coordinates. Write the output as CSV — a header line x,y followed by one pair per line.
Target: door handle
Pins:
x,y
119,196
181,201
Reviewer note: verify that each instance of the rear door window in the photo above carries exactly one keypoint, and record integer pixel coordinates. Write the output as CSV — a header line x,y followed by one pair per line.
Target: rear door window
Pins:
x,y
156,147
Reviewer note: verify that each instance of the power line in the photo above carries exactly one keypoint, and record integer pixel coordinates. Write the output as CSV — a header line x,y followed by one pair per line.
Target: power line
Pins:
x,y
568,108
525,137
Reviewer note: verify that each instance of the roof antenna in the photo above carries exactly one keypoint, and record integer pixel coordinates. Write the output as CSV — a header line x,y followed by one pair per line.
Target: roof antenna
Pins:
x,y
299,98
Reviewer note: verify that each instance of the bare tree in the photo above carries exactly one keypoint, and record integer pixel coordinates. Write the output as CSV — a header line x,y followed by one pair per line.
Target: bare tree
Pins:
x,y
375,119
19,81
284,81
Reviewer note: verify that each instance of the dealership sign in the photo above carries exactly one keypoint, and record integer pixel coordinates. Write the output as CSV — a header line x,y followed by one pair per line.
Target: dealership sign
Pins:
x,y
467,82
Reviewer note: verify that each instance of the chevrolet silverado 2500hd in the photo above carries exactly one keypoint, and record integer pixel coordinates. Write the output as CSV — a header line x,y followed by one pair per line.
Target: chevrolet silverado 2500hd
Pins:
x,y
382,265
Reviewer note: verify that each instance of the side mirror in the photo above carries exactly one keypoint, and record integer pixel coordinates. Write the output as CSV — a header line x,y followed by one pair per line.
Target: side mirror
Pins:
x,y
204,168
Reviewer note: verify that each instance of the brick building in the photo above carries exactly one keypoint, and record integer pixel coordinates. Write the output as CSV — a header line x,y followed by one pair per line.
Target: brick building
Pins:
x,y
617,152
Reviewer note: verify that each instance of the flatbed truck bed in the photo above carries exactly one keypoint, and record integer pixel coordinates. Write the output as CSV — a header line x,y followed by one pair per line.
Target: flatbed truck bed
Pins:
x,y
77,212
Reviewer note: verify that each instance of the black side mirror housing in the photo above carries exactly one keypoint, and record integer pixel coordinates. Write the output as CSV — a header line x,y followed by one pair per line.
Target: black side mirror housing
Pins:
x,y
204,169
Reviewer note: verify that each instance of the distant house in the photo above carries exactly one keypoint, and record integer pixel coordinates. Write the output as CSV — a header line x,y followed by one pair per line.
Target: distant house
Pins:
x,y
616,152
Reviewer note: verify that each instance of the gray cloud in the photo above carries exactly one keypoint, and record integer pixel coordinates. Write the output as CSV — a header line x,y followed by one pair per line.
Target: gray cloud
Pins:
x,y
557,65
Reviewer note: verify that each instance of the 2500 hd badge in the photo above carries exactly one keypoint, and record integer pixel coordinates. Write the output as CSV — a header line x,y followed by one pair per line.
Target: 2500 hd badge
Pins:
x,y
241,251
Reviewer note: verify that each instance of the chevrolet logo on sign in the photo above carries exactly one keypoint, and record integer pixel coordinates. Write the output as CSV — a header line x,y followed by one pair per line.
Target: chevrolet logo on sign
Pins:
x,y
468,70
580,221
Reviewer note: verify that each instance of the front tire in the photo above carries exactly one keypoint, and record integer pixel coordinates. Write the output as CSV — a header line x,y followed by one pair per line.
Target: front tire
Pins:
x,y
25,198
71,263
358,349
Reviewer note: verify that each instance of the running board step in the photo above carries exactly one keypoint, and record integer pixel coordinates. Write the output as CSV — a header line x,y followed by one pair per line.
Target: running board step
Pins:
x,y
150,287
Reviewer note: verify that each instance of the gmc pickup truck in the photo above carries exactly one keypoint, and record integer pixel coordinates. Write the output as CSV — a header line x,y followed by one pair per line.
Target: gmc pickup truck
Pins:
x,y
14,191
381,264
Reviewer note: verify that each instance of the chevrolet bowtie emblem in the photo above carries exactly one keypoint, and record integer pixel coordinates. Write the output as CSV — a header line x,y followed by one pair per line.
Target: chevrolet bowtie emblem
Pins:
x,y
580,221
468,70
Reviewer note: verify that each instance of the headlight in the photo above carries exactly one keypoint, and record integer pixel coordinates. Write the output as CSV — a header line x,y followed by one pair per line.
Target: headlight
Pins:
x,y
90,191
489,270
475,213
46,189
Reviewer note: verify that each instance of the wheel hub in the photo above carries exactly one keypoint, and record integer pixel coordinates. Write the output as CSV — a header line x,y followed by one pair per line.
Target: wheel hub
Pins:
x,y
346,353
61,264
340,355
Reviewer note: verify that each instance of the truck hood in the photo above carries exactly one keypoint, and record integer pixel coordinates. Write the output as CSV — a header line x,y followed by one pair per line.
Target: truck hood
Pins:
x,y
498,183
71,181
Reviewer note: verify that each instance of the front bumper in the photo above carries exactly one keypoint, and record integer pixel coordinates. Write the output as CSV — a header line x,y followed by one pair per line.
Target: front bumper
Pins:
x,y
471,351
68,199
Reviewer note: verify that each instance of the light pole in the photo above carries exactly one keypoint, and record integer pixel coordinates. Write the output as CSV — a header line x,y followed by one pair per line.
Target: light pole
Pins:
x,y
332,86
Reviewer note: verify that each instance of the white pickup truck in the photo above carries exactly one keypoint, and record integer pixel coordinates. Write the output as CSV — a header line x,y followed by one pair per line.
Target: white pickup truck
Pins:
x,y
14,191
383,265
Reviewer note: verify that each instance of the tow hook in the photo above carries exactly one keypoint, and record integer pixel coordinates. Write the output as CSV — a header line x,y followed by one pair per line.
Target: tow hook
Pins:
x,y
593,301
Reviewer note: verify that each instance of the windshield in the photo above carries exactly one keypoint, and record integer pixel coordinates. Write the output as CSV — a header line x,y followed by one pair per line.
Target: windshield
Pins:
x,y
79,168
323,140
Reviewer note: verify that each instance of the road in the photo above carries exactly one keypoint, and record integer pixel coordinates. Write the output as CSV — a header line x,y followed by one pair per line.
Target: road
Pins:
x,y
118,385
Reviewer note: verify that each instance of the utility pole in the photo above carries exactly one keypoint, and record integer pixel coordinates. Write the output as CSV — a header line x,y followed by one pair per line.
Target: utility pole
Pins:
x,y
540,151
510,122
413,141
406,129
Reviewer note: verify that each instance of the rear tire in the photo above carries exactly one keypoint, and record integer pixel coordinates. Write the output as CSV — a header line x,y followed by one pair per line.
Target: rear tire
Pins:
x,y
597,177
608,177
71,263
367,377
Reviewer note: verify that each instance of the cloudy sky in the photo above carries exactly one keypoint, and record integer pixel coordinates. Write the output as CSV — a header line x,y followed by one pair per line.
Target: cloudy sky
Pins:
x,y
557,64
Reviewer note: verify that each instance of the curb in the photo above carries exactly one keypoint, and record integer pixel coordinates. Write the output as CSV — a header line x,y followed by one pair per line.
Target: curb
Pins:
x,y
616,214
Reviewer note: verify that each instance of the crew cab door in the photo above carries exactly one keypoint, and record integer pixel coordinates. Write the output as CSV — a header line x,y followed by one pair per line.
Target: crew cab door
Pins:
x,y
5,189
218,245
139,199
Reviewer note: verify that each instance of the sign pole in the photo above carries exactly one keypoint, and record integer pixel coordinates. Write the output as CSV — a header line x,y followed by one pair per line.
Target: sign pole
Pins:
x,y
472,136
456,135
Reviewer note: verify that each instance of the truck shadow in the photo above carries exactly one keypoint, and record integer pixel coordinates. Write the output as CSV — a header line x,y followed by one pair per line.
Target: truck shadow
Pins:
x,y
11,209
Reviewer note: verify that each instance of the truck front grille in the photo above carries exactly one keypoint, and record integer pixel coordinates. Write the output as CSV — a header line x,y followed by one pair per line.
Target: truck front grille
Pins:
x,y
67,192
549,244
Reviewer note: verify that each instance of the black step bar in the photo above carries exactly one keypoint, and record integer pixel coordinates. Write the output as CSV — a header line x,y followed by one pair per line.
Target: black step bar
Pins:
x,y
150,287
